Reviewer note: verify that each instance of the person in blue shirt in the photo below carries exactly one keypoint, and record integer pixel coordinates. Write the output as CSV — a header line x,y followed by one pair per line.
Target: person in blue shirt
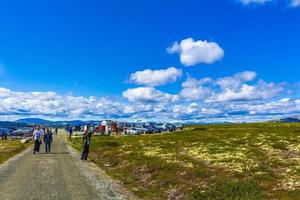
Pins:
x,y
4,135
70,132
48,140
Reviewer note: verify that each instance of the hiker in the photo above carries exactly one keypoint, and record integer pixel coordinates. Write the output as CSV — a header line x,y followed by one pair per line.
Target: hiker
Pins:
x,y
4,135
37,136
51,132
86,141
67,128
48,140
56,131
70,132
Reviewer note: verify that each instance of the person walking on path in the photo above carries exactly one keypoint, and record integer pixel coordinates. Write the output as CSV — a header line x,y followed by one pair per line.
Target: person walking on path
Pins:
x,y
37,137
4,135
56,131
70,132
86,141
48,140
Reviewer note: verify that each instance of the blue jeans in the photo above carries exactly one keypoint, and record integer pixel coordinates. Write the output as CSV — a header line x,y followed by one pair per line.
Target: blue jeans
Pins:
x,y
85,152
48,147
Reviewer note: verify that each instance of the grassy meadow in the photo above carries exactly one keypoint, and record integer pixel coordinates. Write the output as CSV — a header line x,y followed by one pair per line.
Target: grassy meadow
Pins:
x,y
10,148
236,161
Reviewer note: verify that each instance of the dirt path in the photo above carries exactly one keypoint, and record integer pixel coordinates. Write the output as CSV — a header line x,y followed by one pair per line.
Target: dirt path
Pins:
x,y
59,175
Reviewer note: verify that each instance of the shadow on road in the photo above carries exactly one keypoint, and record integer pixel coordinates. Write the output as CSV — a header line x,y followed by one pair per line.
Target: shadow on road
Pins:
x,y
55,153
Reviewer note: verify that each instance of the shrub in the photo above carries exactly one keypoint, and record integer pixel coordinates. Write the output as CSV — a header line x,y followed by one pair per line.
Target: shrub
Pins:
x,y
223,188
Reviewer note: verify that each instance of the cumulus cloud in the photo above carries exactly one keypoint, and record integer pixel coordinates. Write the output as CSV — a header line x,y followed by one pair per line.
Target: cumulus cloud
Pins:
x,y
194,52
247,2
156,77
292,3
231,88
235,98
233,82
51,104
193,89
248,92
276,108
148,95
196,93
236,88
183,109
295,3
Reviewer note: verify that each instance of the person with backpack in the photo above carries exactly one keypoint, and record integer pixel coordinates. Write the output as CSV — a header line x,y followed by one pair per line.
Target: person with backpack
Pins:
x,y
86,141
37,139
48,140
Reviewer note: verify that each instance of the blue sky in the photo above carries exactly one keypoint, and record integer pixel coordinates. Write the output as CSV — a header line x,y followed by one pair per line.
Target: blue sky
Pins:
x,y
77,49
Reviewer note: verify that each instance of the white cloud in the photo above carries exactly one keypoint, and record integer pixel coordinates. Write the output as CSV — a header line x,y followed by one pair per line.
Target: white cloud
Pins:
x,y
247,2
230,88
235,81
248,92
192,89
138,108
274,107
194,52
195,93
4,92
292,3
192,82
181,109
51,104
156,77
285,100
295,3
148,95
235,98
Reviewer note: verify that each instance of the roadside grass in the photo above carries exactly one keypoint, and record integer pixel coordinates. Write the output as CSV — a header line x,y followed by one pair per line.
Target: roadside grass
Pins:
x,y
10,148
236,161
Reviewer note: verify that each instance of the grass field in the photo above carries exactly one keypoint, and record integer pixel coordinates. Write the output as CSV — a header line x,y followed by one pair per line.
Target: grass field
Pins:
x,y
10,148
246,161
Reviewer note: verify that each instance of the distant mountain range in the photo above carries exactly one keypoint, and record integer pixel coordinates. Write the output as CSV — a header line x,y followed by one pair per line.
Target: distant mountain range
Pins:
x,y
33,121
6,124
290,119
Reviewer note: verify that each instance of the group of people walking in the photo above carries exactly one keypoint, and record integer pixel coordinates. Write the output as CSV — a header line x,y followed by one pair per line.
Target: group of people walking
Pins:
x,y
46,136
4,135
40,136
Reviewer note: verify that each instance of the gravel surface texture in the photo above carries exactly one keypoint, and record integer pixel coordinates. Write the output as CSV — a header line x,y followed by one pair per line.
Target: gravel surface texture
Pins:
x,y
58,175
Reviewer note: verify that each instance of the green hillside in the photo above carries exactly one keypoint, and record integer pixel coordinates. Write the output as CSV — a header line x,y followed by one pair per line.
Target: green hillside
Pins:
x,y
246,161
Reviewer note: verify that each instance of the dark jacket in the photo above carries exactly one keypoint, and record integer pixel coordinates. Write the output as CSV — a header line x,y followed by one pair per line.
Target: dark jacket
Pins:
x,y
86,138
48,138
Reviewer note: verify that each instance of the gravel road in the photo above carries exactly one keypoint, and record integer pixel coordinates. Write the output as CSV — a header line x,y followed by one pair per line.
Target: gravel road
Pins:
x,y
59,175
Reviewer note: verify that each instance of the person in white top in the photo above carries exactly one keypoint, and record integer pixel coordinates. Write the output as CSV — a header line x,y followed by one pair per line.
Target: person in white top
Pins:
x,y
37,139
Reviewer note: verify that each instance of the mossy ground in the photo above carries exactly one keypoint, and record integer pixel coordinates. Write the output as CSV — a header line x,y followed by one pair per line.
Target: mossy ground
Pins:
x,y
237,161
10,148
